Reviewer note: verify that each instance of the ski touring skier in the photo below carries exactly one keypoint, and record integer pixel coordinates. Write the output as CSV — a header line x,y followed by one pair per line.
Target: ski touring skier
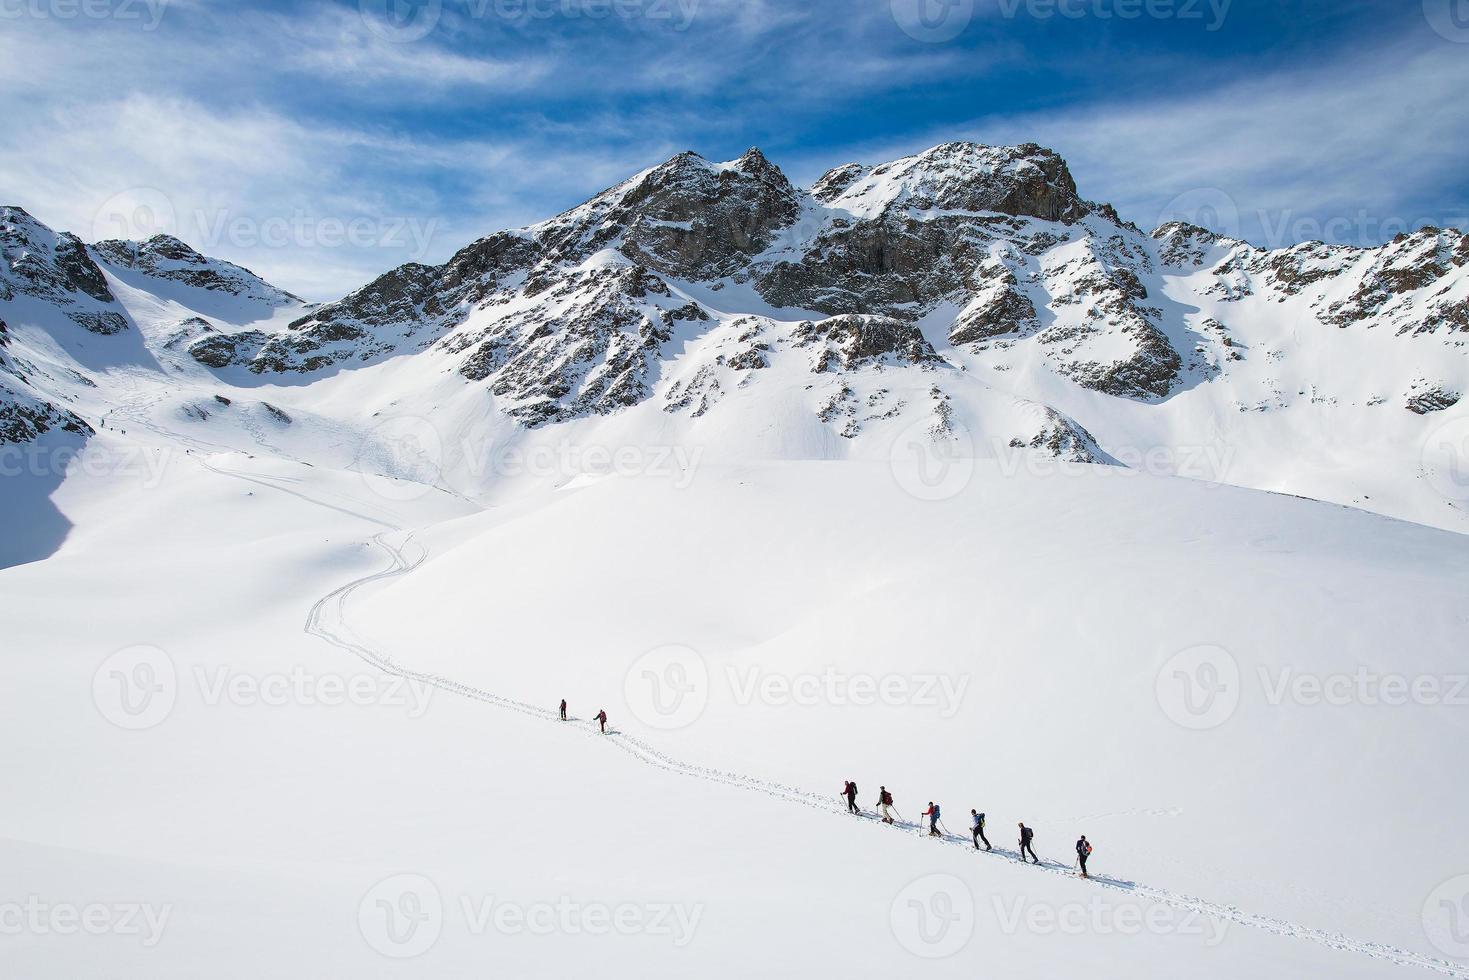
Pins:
x,y
850,792
932,813
885,804
601,718
563,709
978,820
1026,836
1083,851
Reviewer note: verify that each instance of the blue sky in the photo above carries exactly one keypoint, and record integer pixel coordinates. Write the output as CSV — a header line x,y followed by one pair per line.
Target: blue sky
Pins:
x,y
323,142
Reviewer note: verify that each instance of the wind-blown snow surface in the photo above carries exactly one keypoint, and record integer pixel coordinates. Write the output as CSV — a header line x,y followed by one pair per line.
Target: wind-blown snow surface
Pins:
x,y
1049,605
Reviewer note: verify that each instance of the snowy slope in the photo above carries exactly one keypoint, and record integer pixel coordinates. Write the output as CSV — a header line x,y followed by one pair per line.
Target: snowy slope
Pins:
x,y
720,454
234,820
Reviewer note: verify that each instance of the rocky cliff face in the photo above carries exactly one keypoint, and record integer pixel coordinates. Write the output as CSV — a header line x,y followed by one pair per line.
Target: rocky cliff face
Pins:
x,y
166,258
55,268
992,249
880,290
24,416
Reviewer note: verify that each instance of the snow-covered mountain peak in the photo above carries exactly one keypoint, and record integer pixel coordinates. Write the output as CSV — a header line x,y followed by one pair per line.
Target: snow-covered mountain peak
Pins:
x,y
1024,181
967,289
169,258
55,269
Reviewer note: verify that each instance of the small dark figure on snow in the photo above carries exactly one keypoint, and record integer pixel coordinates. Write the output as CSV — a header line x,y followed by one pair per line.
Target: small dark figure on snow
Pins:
x,y
932,813
850,792
885,804
563,709
978,820
1083,851
1026,836
601,717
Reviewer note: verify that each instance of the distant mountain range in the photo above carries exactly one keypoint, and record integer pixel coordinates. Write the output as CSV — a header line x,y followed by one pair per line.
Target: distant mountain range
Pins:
x,y
968,293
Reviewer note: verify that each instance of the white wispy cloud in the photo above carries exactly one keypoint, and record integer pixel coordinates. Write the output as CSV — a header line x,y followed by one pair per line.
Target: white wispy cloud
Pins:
x,y
1317,144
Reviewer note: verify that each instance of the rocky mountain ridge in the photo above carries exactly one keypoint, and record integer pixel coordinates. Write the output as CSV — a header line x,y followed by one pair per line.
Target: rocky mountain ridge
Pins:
x,y
998,235
963,292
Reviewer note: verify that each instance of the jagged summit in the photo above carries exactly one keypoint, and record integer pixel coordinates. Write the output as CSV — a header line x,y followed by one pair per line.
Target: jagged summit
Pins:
x,y
963,288
997,236
1025,181
55,268
170,258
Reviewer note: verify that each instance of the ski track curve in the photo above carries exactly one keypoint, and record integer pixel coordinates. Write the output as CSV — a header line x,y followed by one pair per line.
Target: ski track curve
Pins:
x,y
326,620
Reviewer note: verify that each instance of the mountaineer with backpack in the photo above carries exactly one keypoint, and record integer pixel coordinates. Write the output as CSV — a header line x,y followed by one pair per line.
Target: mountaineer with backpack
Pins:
x,y
601,718
885,804
978,819
1083,851
563,709
1026,836
932,813
850,792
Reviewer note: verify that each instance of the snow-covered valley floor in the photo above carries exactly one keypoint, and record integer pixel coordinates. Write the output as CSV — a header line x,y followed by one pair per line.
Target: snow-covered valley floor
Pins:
x,y
273,718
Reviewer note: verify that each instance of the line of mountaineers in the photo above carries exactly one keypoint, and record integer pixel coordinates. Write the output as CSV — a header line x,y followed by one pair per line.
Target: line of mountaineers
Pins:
x,y
886,810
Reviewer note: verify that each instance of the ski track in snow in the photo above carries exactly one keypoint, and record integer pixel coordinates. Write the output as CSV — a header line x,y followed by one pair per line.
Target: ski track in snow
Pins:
x,y
326,620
